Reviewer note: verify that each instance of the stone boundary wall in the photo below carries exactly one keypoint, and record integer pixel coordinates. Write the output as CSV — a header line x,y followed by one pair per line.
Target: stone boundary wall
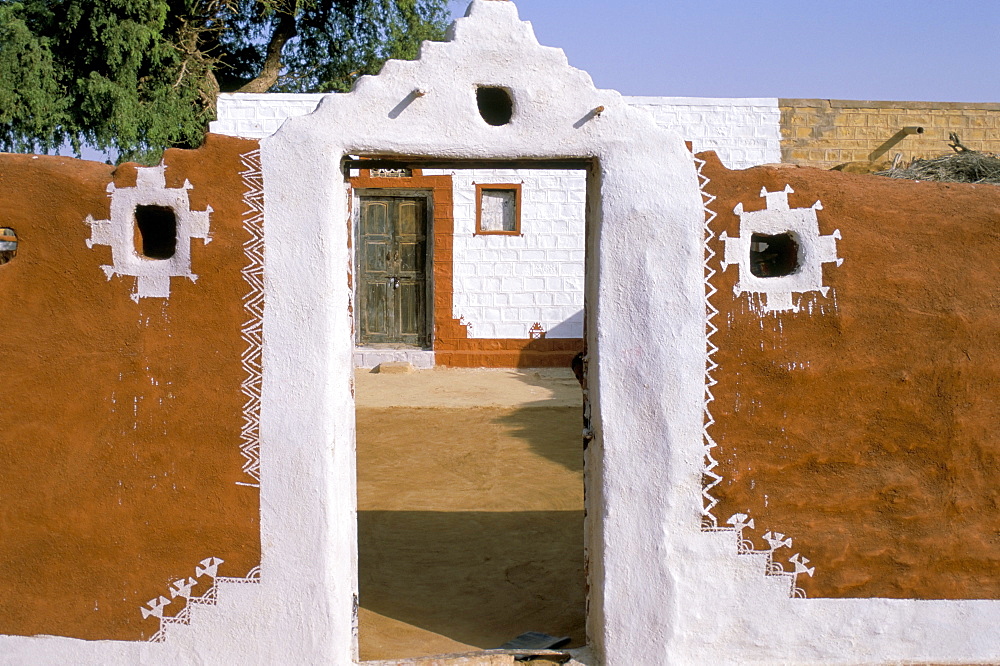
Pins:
x,y
827,132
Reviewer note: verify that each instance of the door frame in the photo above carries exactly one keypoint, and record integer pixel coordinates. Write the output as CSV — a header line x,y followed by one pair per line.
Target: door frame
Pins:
x,y
414,193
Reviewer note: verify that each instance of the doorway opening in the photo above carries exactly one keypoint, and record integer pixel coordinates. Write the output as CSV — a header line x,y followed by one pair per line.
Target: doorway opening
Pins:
x,y
470,479
392,270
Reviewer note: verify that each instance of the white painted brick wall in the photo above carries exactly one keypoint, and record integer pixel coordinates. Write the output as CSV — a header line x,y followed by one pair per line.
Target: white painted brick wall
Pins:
x,y
505,284
744,132
254,116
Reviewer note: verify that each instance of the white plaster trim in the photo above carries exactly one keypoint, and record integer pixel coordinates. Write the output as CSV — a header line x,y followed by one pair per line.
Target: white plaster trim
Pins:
x,y
253,303
739,522
152,275
814,250
636,227
642,100
182,588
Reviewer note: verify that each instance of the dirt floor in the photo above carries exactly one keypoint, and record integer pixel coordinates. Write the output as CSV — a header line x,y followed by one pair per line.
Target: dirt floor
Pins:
x,y
470,509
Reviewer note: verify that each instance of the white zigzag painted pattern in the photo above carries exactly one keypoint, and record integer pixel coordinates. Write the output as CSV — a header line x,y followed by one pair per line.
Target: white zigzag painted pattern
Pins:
x,y
712,479
253,303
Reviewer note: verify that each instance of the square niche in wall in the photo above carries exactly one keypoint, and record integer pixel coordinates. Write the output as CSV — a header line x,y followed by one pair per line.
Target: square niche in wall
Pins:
x,y
498,209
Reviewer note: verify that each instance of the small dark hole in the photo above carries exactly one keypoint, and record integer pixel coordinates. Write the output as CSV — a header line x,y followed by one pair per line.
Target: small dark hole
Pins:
x,y
773,256
495,105
157,226
8,244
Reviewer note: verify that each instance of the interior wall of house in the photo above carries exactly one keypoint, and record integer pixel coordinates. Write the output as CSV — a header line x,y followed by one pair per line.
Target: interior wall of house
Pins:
x,y
529,284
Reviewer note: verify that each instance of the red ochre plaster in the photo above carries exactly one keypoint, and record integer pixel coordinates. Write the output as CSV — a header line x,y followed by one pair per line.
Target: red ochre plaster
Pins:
x,y
866,430
120,420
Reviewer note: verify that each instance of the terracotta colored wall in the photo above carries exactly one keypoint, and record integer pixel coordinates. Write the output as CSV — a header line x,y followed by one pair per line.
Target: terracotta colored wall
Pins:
x,y
452,345
121,420
827,132
864,425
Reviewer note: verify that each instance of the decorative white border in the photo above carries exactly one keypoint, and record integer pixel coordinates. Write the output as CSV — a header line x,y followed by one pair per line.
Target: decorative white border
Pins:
x,y
253,302
152,275
737,523
252,334
814,250
182,588
707,517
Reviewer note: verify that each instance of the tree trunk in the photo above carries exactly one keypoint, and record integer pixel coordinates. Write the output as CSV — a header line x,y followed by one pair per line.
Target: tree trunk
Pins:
x,y
271,70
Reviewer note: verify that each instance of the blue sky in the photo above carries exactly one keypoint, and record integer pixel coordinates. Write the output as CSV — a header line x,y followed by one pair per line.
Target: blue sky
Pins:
x,y
947,51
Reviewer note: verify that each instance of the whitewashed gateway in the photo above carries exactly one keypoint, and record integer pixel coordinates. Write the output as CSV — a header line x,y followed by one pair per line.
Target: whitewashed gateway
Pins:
x,y
525,171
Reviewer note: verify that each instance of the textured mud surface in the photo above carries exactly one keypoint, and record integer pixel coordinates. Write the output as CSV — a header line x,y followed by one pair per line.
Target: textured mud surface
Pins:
x,y
864,424
120,422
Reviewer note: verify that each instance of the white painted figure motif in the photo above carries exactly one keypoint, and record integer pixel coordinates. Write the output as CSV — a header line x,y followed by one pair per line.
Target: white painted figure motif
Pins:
x,y
813,250
152,275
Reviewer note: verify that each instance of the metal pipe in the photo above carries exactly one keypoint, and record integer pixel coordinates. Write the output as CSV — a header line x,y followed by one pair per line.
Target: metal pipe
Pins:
x,y
913,129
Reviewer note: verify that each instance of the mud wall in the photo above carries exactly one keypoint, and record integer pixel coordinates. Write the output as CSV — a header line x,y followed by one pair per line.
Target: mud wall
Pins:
x,y
859,421
129,444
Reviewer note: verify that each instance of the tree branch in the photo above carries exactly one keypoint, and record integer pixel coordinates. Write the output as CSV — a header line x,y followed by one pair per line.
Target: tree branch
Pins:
x,y
271,70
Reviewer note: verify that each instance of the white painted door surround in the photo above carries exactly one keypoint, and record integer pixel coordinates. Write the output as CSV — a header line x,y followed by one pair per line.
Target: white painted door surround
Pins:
x,y
662,590
640,219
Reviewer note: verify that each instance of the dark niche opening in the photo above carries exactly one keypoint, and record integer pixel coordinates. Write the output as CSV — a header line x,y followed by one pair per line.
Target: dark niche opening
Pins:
x,y
773,256
157,229
8,244
495,105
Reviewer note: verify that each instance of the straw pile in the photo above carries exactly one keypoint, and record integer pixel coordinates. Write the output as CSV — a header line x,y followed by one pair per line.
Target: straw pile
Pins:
x,y
964,166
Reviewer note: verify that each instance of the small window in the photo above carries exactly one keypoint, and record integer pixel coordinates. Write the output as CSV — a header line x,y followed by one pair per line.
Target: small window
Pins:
x,y
156,231
495,105
498,209
8,244
773,256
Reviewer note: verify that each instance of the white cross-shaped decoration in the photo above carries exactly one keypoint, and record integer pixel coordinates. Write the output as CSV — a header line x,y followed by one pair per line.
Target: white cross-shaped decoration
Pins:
x,y
152,275
814,250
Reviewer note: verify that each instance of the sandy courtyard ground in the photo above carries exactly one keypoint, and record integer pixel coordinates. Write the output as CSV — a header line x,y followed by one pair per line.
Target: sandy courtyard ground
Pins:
x,y
470,509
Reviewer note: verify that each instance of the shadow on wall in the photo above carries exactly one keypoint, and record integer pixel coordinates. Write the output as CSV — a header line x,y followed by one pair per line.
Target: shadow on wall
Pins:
x,y
546,352
570,328
480,578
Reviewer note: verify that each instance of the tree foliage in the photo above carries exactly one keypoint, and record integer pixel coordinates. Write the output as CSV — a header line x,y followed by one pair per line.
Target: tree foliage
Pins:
x,y
137,76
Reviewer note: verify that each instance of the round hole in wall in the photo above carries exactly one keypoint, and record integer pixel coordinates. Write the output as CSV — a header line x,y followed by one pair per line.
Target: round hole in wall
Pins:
x,y
773,256
495,105
8,244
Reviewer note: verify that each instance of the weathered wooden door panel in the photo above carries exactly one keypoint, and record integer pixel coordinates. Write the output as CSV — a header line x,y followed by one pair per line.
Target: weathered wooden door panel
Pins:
x,y
392,280
411,308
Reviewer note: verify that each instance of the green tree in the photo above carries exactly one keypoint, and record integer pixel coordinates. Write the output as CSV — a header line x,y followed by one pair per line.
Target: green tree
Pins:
x,y
137,76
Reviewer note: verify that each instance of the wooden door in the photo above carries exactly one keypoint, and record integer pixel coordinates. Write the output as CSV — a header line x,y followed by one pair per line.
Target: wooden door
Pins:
x,y
392,278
